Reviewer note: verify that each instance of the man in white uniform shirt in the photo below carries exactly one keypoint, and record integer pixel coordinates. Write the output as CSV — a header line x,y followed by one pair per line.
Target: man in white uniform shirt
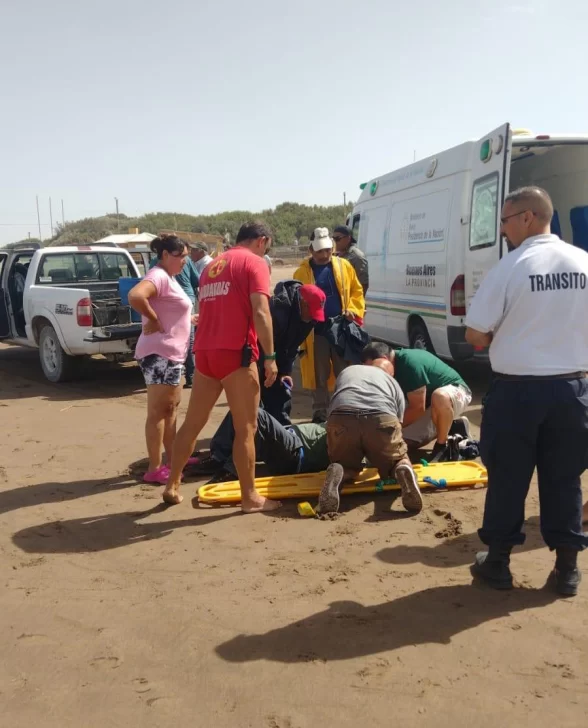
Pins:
x,y
531,311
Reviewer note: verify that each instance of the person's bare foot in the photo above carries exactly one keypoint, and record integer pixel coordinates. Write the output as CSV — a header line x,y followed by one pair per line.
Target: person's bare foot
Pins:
x,y
585,513
172,497
258,504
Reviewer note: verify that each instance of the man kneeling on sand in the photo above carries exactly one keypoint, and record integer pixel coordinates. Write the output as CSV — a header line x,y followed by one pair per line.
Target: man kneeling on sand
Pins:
x,y
365,420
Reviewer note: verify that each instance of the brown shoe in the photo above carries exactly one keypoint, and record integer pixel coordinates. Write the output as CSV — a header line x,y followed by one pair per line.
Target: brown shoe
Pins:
x,y
412,499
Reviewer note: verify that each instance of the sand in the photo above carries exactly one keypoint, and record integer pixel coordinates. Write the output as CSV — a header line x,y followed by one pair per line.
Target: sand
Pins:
x,y
118,611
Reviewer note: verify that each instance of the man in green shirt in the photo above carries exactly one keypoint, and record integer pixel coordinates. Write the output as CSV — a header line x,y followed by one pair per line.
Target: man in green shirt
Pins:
x,y
436,395
285,450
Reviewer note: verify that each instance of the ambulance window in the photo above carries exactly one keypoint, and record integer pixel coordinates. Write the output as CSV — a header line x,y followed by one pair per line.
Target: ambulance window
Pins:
x,y
355,228
484,217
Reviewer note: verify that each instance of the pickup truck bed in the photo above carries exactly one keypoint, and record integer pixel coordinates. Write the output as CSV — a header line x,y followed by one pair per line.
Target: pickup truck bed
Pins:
x,y
66,302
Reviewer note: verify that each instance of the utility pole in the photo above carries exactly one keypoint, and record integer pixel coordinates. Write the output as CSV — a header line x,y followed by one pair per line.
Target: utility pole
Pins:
x,y
51,217
117,217
62,214
414,156
344,201
39,219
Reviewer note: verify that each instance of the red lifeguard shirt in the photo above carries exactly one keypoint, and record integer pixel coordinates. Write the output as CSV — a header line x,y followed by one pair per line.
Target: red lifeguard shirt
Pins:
x,y
226,315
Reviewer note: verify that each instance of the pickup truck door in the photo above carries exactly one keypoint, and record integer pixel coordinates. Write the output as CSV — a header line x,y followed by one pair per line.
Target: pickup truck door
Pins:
x,y
4,319
490,168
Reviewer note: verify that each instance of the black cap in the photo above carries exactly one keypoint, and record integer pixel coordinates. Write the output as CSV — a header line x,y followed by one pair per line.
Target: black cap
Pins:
x,y
199,246
344,230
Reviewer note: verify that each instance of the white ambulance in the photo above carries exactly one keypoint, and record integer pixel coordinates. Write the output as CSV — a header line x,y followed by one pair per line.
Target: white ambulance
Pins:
x,y
431,230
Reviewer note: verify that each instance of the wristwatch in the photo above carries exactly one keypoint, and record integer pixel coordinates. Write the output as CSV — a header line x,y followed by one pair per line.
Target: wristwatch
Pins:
x,y
269,357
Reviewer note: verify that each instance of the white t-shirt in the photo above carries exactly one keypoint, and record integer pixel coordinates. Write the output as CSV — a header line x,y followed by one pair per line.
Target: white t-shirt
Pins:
x,y
202,263
535,301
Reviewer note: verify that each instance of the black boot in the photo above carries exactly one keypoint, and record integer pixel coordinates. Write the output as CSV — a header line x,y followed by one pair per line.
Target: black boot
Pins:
x,y
438,453
493,568
566,575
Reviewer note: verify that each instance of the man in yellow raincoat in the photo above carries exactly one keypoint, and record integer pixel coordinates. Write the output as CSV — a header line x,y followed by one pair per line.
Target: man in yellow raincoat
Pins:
x,y
320,363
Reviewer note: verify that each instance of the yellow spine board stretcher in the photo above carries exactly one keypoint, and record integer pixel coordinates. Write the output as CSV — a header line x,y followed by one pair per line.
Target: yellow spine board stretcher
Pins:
x,y
304,485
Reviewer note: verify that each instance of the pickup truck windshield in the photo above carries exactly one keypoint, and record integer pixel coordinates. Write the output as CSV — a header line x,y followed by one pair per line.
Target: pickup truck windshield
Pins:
x,y
83,267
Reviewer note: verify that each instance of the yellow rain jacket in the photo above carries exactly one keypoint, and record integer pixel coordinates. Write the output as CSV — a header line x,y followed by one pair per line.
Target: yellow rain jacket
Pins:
x,y
352,299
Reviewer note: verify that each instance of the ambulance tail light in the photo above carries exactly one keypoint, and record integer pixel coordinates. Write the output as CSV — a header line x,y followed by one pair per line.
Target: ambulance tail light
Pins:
x,y
84,312
457,297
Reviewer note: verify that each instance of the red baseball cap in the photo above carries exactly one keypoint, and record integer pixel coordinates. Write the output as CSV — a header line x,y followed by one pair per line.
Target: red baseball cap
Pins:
x,y
315,298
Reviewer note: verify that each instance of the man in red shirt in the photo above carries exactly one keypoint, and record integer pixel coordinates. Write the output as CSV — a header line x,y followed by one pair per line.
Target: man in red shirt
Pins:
x,y
234,311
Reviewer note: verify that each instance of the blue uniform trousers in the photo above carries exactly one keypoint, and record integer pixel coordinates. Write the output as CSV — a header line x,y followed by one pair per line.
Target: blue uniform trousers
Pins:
x,y
535,423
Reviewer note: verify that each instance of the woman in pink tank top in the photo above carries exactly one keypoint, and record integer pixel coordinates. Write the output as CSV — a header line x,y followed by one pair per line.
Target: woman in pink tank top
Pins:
x,y
161,350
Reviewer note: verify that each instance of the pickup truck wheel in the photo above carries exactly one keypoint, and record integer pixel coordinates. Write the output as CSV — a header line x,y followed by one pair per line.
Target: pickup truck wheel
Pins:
x,y
56,364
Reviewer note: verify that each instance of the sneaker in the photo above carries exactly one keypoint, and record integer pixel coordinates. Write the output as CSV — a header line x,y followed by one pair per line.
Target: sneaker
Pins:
x,y
206,466
412,499
329,498
158,477
495,571
461,426
222,476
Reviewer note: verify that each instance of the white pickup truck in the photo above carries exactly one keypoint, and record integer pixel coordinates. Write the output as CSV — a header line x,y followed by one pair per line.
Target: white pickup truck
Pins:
x,y
65,301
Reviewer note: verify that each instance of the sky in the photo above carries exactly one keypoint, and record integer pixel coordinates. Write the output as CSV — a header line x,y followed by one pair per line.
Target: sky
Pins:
x,y
177,106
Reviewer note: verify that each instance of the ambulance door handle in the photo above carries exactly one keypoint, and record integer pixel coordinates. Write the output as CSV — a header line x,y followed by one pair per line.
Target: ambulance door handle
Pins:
x,y
465,220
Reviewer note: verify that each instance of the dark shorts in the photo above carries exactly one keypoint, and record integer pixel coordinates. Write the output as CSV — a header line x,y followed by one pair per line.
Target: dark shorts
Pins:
x,y
218,363
159,370
377,437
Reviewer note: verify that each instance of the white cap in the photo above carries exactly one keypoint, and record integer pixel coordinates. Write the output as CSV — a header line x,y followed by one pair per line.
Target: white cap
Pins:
x,y
321,241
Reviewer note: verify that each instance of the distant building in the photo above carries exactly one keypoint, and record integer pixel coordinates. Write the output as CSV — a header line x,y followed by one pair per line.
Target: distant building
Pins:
x,y
128,239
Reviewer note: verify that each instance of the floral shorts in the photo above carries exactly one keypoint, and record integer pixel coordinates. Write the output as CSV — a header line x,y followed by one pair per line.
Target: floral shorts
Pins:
x,y
159,370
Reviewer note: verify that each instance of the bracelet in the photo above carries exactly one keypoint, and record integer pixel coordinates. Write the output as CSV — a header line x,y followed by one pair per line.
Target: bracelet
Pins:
x,y
270,357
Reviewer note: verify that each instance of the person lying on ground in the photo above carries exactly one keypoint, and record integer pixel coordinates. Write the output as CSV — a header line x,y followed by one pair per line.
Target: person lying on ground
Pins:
x,y
364,421
285,450
296,309
436,396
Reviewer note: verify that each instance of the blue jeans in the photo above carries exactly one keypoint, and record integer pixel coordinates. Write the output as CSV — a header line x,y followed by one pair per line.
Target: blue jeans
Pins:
x,y
189,363
275,445
276,400
528,424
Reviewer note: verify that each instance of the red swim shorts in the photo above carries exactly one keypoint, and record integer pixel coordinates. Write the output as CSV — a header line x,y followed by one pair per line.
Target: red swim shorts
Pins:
x,y
218,363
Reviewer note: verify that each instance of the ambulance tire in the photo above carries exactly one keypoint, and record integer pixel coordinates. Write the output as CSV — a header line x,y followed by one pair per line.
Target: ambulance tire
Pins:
x,y
419,338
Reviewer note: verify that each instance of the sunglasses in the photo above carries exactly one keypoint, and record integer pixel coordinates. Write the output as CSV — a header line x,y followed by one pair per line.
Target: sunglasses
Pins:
x,y
515,214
